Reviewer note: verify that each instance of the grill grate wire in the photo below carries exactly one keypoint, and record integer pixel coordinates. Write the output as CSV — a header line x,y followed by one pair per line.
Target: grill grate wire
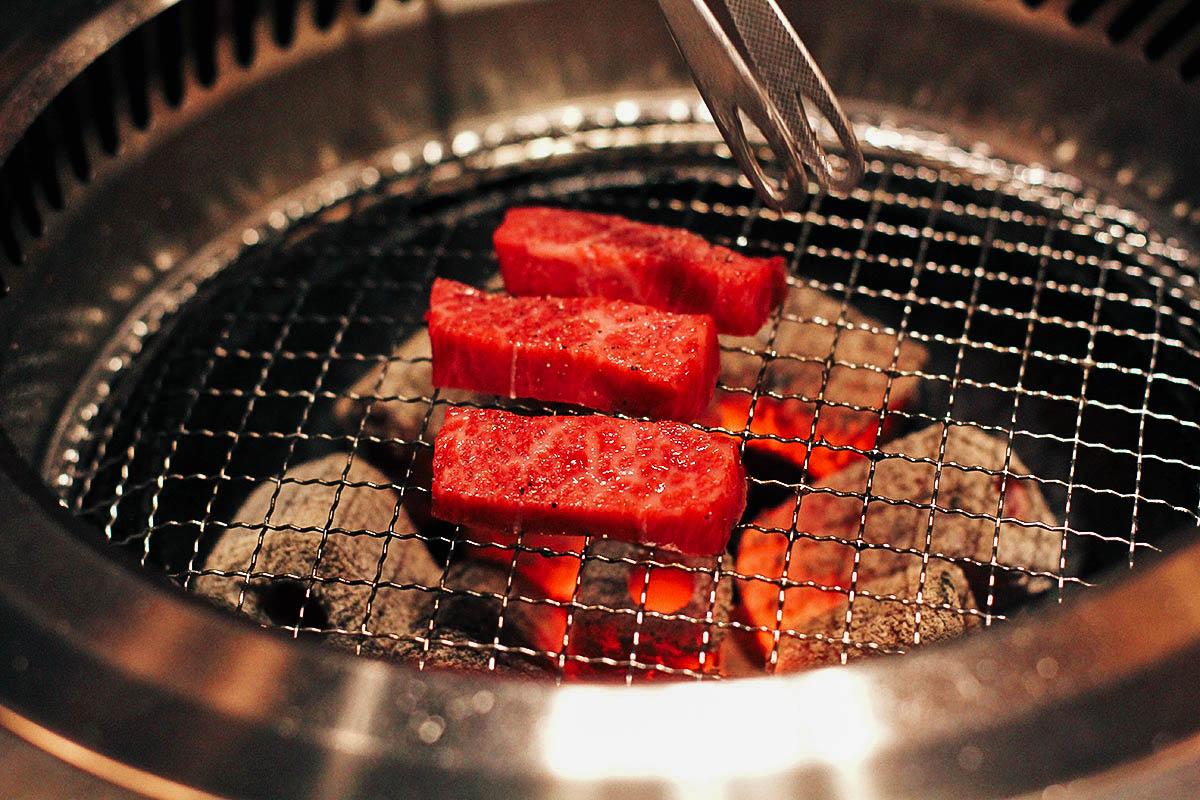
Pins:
x,y
1050,323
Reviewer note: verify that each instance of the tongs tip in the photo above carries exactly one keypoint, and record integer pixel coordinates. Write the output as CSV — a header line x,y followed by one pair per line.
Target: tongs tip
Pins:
x,y
773,91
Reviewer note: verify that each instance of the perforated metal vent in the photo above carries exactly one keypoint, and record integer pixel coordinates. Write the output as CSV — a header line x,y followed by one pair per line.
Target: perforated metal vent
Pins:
x,y
1160,29
184,49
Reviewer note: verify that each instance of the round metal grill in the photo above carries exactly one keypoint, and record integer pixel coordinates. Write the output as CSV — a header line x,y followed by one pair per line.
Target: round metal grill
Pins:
x,y
1053,322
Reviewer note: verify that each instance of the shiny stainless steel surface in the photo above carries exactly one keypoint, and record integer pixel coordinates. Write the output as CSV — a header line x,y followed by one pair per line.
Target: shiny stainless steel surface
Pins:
x,y
768,91
1102,681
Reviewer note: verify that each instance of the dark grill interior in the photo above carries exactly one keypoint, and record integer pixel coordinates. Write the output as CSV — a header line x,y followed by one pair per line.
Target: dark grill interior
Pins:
x,y
1052,321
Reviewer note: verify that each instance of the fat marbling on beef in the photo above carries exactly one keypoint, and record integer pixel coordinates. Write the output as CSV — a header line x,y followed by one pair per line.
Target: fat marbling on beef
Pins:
x,y
663,484
604,354
564,253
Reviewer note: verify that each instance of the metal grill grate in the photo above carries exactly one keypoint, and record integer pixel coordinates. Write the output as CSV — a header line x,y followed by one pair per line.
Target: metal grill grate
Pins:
x,y
1053,322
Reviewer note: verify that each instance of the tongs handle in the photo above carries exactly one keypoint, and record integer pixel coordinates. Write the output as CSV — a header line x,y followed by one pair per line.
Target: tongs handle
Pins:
x,y
770,92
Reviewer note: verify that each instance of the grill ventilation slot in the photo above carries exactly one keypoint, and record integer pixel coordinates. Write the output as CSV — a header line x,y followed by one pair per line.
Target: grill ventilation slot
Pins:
x,y
161,58
1128,23
183,41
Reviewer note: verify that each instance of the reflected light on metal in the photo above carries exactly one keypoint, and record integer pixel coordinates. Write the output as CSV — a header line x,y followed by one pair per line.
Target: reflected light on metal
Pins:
x,y
594,733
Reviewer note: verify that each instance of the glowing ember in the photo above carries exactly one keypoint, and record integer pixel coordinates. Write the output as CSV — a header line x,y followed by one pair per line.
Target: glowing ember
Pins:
x,y
791,419
551,573
822,563
537,575
613,583
891,531
670,631
667,590
820,355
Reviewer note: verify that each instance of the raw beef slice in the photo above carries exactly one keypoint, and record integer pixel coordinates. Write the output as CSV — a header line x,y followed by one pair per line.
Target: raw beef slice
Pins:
x,y
563,253
605,354
661,484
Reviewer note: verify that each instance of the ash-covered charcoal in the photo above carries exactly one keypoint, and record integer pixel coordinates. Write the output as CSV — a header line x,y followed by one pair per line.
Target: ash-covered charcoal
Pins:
x,y
962,486
544,570
828,525
679,590
395,395
806,337
461,657
886,620
347,523
547,565
467,622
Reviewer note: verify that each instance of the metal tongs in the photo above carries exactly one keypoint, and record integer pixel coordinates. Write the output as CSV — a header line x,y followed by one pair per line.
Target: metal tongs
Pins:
x,y
771,91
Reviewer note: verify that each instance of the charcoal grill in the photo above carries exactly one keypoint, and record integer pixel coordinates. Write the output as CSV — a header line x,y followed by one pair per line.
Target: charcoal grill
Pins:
x,y
219,217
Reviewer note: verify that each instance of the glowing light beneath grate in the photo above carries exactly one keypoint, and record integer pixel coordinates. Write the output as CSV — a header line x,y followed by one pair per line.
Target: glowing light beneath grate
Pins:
x,y
645,733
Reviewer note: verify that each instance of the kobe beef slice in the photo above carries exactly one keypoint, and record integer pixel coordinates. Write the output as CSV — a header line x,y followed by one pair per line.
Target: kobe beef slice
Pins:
x,y
605,354
861,357
351,546
562,253
662,484
1024,542
885,621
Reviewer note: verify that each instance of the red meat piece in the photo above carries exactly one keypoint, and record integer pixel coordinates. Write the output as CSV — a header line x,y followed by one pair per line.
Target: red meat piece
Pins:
x,y
604,354
561,253
661,484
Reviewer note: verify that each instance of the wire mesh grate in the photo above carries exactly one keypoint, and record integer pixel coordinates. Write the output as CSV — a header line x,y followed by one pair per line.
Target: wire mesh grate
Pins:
x,y
1025,355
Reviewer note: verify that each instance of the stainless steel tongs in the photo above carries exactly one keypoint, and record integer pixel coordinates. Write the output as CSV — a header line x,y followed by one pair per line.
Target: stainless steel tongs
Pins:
x,y
770,91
